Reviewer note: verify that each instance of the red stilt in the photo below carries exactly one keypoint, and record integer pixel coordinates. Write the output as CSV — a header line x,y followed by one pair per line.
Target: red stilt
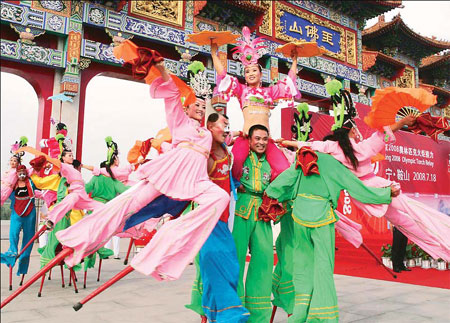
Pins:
x,y
70,277
63,254
110,282
50,274
21,281
274,310
10,277
74,279
75,275
99,269
125,262
42,285
85,276
378,260
204,319
62,276
36,236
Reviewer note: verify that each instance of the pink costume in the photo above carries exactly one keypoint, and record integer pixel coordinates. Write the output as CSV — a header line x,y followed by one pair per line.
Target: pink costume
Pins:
x,y
256,104
180,173
423,225
9,180
121,173
77,197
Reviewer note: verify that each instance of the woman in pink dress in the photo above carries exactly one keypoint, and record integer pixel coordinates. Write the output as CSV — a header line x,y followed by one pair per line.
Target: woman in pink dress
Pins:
x,y
256,101
423,225
180,173
77,197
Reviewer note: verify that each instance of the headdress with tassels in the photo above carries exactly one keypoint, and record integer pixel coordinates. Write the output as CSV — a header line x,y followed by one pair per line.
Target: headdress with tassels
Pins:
x,y
344,110
112,149
198,80
18,144
302,128
248,48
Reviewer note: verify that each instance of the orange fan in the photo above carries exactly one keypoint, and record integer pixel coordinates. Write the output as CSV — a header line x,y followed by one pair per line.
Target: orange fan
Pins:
x,y
389,102
128,51
304,49
207,37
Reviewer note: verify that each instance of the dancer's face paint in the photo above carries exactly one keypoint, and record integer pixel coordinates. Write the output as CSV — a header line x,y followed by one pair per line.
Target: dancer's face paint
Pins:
x,y
219,129
259,141
22,175
252,75
197,110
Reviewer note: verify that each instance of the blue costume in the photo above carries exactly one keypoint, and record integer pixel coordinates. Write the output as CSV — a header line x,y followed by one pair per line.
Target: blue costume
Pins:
x,y
23,217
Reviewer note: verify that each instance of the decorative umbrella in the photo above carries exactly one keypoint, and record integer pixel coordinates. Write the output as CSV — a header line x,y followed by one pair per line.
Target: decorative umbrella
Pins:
x,y
62,98
304,49
207,37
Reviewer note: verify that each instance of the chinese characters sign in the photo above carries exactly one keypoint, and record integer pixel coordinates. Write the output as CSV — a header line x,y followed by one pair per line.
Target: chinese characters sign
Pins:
x,y
292,24
303,29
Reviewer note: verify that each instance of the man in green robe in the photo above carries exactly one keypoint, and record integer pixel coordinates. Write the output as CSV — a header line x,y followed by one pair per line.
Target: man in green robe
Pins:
x,y
249,232
314,183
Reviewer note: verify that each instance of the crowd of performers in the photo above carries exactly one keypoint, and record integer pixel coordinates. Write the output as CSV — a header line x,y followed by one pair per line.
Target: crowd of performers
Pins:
x,y
195,177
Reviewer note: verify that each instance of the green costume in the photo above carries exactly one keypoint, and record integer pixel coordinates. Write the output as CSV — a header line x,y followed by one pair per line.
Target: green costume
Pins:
x,y
315,198
250,232
282,284
102,189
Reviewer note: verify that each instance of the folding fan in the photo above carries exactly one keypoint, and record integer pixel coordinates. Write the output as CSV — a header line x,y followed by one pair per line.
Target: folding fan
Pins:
x,y
389,102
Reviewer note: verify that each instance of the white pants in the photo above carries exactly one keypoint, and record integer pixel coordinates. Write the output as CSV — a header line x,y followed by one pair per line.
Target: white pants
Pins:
x,y
114,244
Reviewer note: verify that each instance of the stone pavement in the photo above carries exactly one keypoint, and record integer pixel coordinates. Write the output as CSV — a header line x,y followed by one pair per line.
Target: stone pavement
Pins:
x,y
140,299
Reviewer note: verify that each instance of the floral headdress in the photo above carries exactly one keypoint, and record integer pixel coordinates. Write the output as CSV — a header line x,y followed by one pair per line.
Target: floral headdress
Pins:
x,y
198,80
18,144
113,150
248,48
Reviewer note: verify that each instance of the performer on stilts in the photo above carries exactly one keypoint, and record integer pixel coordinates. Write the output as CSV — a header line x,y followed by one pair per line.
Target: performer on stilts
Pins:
x,y
104,188
9,178
23,218
180,173
423,225
314,183
256,101
214,293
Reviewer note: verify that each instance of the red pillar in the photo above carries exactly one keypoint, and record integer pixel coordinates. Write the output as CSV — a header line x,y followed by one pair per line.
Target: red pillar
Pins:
x,y
42,79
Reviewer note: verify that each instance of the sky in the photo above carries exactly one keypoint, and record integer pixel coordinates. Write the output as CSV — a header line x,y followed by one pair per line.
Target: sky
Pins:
x,y
124,110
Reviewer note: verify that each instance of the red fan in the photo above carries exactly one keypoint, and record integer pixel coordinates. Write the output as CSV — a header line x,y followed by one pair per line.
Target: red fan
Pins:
x,y
389,102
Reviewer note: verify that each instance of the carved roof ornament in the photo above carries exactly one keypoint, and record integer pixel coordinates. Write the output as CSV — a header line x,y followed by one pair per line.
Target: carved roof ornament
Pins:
x,y
395,28
27,34
235,13
117,36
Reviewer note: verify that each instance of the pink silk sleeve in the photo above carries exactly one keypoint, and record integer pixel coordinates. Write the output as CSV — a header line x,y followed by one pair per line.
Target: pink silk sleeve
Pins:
x,y
370,146
228,86
168,91
285,89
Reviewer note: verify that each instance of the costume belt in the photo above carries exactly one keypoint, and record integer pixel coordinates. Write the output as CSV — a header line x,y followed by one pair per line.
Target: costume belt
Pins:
x,y
258,194
195,147
367,176
312,196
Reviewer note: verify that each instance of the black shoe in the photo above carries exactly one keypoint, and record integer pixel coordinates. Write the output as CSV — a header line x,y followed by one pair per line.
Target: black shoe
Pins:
x,y
397,270
405,269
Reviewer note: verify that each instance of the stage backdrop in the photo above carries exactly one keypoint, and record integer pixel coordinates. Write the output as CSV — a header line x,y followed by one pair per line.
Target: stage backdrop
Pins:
x,y
419,164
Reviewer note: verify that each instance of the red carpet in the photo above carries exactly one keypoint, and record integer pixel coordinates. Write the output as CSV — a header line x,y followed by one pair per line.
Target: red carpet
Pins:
x,y
358,263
